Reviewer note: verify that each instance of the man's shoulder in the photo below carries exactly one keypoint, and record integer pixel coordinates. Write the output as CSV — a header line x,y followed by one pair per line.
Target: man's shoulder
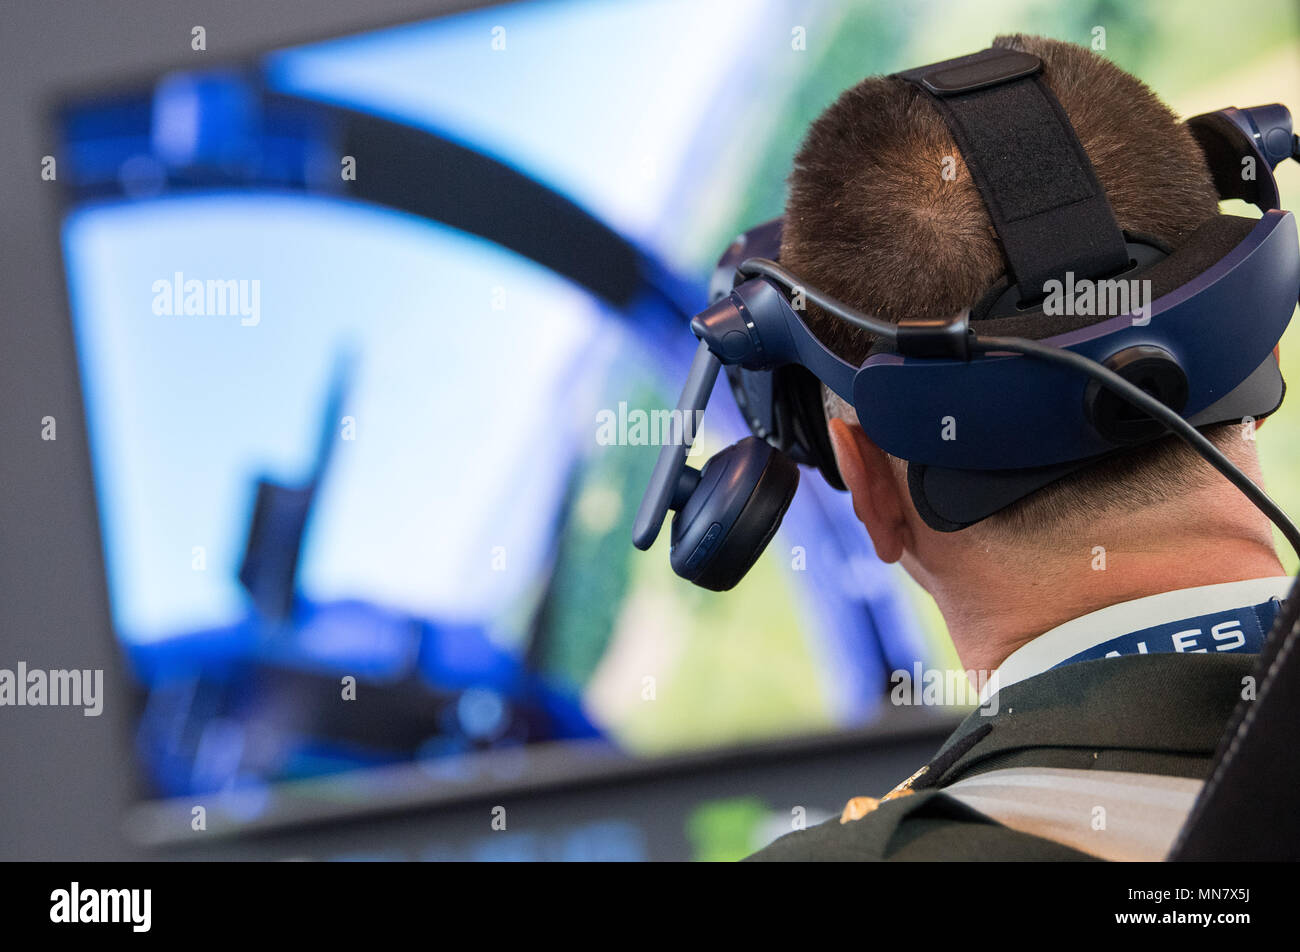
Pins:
x,y
925,826
1146,714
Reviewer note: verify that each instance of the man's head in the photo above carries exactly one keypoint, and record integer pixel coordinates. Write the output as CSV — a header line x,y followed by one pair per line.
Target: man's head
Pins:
x,y
873,220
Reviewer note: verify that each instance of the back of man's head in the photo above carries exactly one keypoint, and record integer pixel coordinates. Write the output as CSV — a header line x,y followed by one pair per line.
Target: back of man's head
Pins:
x,y
873,219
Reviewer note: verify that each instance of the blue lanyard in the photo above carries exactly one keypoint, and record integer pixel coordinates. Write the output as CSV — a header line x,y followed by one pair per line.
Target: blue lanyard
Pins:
x,y
1239,630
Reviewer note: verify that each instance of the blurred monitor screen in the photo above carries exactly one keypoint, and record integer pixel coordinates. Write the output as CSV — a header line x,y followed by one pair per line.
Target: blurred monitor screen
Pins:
x,y
366,482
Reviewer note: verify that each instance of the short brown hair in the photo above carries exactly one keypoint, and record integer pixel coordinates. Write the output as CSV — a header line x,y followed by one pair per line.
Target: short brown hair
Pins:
x,y
871,220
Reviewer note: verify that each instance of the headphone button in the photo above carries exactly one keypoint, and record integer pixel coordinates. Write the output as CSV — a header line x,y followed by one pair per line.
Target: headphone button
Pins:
x,y
705,547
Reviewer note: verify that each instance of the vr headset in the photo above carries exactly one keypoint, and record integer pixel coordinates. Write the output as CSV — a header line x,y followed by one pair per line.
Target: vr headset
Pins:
x,y
1017,392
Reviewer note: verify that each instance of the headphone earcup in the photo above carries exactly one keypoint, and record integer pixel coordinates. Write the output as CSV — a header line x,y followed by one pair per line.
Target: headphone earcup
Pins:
x,y
731,516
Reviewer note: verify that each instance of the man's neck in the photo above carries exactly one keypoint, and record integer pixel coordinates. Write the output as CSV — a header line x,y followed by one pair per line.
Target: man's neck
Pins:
x,y
996,605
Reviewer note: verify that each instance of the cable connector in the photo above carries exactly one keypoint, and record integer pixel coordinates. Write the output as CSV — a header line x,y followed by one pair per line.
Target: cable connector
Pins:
x,y
941,337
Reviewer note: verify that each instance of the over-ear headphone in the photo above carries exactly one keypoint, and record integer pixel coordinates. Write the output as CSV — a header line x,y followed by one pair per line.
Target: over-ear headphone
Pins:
x,y
725,522
1036,395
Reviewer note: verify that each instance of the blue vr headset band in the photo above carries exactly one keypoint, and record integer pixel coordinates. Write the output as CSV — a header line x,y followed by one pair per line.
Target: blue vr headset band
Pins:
x,y
1202,354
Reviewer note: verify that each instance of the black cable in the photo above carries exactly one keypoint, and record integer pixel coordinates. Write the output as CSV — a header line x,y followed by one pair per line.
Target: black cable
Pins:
x,y
1112,381
1154,408
770,269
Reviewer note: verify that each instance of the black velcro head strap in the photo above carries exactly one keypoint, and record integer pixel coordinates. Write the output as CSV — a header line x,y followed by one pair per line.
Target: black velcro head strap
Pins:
x,y
1036,181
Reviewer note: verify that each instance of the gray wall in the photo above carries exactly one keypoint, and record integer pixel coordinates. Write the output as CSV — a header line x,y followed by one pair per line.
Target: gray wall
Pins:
x,y
63,776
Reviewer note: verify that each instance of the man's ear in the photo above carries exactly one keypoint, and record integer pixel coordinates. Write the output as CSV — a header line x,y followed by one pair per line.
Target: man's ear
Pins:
x,y
877,496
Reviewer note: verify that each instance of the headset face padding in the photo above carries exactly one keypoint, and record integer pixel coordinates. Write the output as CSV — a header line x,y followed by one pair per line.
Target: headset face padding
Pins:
x,y
785,408
732,514
1225,144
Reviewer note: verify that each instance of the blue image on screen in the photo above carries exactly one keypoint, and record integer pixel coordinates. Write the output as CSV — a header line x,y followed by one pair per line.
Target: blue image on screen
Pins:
x,y
353,504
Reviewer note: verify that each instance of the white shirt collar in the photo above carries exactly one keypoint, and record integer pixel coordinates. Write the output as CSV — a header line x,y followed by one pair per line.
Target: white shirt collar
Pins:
x,y
1079,634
